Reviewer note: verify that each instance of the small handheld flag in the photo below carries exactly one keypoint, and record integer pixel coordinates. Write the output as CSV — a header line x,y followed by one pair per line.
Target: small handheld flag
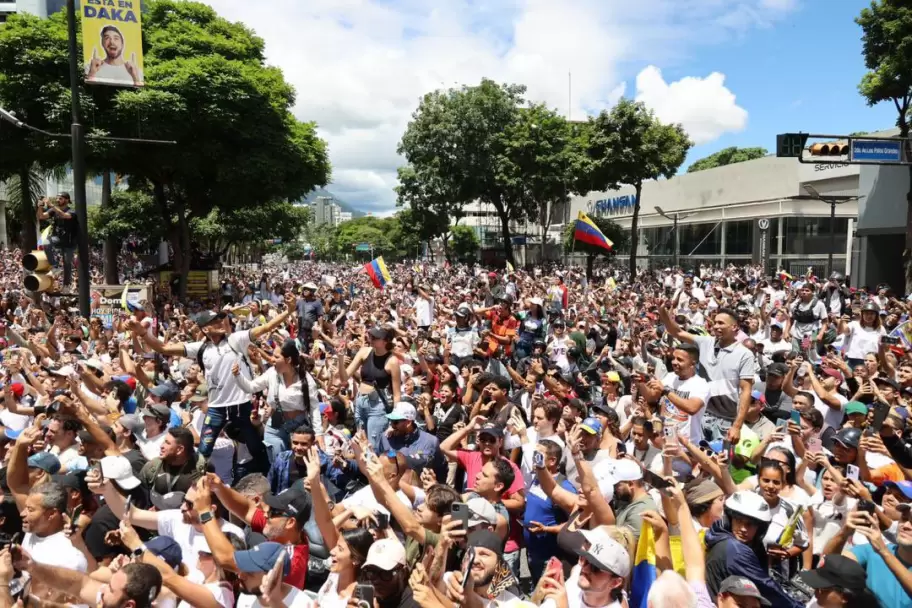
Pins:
x,y
510,268
44,239
587,232
376,270
123,298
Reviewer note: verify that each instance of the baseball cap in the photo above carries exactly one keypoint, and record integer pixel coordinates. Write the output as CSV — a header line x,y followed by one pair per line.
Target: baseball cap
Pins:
x,y
262,558
66,370
491,428
201,393
888,381
855,407
380,333
623,469
605,553
702,491
290,503
17,388
166,391
45,461
613,377
207,316
167,549
157,410
903,486
777,369
835,571
742,587
132,423
758,396
119,469
386,554
128,380
481,511
70,481
403,411
591,425
167,502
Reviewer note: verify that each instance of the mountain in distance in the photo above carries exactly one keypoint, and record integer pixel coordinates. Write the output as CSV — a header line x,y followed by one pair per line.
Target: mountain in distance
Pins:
x,y
324,192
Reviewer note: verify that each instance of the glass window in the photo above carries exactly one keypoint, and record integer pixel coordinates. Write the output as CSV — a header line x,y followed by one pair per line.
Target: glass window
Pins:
x,y
701,239
811,235
739,237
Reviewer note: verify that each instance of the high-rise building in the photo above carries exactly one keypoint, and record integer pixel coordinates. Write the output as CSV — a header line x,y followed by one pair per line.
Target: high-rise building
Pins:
x,y
41,8
326,211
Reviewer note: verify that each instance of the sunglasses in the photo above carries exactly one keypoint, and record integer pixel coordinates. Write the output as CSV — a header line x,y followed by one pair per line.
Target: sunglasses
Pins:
x,y
375,574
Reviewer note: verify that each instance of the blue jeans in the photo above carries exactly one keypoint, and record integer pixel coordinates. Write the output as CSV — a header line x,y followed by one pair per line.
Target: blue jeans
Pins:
x,y
215,421
67,253
278,440
370,415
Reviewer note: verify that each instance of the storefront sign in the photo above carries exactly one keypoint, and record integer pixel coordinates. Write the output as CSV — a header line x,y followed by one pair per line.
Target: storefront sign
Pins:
x,y
762,243
617,204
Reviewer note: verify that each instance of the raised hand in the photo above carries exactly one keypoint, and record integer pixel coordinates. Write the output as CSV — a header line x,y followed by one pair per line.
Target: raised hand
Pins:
x,y
94,63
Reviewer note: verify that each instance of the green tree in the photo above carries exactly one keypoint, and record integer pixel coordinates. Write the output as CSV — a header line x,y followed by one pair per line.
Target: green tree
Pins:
x,y
223,228
428,204
465,243
629,145
369,229
617,234
127,217
728,156
461,137
887,48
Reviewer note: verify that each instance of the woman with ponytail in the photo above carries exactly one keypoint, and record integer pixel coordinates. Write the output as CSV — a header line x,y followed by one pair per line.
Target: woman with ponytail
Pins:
x,y
288,404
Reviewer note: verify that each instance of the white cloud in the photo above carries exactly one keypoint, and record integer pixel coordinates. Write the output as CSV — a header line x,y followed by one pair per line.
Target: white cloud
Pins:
x,y
361,66
704,107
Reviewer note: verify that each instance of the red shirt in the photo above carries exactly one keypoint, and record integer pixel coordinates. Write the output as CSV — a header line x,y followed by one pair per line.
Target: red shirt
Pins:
x,y
299,553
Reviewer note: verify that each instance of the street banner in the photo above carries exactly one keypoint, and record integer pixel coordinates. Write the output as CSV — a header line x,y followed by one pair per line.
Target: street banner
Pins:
x,y
112,42
108,300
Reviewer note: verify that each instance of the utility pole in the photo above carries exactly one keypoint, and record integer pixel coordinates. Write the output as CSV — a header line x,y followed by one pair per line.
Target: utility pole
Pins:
x,y
674,217
832,201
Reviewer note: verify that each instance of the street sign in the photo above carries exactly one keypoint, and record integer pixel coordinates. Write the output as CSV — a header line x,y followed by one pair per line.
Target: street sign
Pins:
x,y
363,247
790,145
876,150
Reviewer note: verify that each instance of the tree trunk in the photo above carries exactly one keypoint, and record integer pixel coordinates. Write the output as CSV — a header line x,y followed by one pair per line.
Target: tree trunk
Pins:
x,y
111,244
634,226
505,231
545,217
183,233
29,227
445,238
158,193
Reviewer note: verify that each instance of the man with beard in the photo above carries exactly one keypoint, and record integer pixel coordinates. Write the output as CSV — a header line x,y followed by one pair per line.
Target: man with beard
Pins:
x,y
112,67
630,494
280,518
492,580
133,586
386,569
420,448
291,466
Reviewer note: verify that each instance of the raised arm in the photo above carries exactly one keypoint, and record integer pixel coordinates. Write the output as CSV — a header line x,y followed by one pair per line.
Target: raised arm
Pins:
x,y
277,321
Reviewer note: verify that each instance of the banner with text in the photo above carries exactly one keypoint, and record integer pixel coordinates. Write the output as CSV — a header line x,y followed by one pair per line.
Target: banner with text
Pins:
x,y
107,300
112,42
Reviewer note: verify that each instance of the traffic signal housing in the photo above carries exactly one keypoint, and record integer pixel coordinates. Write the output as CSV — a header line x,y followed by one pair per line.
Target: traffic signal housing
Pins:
x,y
39,277
832,149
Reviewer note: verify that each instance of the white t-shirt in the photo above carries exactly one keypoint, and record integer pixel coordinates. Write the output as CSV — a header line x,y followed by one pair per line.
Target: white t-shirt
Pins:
x,y
832,417
151,448
575,594
424,311
171,523
222,592
685,425
295,599
218,359
13,422
55,550
862,340
118,73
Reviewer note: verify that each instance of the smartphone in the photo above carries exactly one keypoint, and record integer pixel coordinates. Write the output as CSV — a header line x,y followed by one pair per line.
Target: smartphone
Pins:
x,y
796,417
889,340
555,569
783,424
881,411
852,472
365,595
128,504
621,449
460,511
74,518
655,481
726,448
383,521
538,460
467,562
867,506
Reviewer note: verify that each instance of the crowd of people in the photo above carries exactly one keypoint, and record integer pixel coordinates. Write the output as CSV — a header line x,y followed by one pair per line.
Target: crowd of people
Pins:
x,y
461,437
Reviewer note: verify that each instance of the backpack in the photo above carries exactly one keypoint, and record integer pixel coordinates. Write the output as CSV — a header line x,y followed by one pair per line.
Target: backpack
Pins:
x,y
199,356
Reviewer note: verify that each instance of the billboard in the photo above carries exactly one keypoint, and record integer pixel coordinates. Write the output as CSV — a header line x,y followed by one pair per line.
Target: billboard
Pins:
x,y
112,42
108,300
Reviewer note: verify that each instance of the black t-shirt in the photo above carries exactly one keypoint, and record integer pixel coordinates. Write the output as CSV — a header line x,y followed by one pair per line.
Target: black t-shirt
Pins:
x,y
66,230
296,471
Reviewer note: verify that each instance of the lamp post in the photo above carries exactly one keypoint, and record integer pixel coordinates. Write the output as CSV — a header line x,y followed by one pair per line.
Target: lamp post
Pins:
x,y
674,217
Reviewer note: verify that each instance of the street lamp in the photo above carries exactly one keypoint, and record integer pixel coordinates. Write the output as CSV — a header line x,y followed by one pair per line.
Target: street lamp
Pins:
x,y
674,217
832,201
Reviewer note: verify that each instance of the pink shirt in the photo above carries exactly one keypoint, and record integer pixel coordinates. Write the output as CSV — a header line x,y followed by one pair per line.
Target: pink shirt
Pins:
x,y
472,463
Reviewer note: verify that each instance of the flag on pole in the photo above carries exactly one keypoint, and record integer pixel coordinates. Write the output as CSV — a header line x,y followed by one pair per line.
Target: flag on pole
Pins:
x,y
510,267
376,270
44,239
587,232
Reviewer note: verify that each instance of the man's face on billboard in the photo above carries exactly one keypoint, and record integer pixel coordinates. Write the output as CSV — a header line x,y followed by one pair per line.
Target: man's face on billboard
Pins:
x,y
113,44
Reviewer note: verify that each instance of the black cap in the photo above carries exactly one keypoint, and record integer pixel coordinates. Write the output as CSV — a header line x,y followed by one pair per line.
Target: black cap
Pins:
x,y
492,428
290,503
742,587
835,571
777,369
166,502
888,381
207,316
849,437
167,391
380,333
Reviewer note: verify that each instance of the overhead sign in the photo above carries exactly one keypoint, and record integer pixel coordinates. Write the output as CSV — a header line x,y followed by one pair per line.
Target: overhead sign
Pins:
x,y
363,247
112,42
876,150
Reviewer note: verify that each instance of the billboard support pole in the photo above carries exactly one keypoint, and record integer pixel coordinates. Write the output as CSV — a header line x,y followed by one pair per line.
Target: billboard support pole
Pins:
x,y
79,170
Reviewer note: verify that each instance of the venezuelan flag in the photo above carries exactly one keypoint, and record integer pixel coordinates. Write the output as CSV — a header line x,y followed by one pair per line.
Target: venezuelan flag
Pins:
x,y
378,273
44,239
784,276
587,232
644,568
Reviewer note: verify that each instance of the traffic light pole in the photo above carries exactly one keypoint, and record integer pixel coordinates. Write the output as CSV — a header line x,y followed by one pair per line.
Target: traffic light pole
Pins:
x,y
79,171
832,240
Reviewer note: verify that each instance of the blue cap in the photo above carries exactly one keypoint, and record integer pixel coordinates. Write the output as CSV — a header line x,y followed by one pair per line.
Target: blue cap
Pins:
x,y
715,446
756,395
167,549
261,558
592,425
903,486
45,461
11,434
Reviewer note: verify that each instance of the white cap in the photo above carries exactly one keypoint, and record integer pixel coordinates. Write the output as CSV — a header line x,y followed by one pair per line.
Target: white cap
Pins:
x,y
309,286
406,370
605,553
481,511
623,469
66,370
536,301
386,554
119,470
199,544
403,411
95,364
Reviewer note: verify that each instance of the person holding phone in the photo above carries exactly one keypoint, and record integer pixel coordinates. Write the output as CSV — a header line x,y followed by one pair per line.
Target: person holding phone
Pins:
x,y
862,337
489,577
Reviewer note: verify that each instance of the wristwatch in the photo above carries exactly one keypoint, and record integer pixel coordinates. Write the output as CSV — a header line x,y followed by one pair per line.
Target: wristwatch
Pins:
x,y
206,517
665,391
138,551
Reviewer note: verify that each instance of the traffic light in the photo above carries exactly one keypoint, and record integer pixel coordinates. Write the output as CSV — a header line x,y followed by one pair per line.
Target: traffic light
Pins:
x,y
40,277
834,149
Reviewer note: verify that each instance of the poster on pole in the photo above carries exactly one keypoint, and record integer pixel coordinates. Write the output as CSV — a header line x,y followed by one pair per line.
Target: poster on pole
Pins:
x,y
112,42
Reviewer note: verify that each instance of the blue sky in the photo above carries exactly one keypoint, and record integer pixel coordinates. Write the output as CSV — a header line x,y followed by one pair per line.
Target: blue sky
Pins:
x,y
733,72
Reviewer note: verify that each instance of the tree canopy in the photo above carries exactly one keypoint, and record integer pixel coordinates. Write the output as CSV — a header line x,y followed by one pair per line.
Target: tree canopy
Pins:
x,y
617,234
728,156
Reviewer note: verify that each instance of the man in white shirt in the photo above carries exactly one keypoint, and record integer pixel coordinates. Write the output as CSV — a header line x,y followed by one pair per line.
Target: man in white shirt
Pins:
x,y
43,522
598,581
228,402
775,343
155,417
